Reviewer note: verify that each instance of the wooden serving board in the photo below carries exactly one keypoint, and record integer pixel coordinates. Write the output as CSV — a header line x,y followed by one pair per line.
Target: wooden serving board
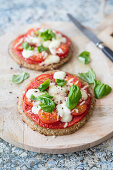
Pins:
x,y
95,131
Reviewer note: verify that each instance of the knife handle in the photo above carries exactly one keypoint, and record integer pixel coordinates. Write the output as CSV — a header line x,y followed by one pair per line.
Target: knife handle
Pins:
x,y
107,51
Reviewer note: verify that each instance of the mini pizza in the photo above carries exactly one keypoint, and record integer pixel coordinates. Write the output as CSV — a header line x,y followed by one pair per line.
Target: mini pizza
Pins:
x,y
56,103
41,49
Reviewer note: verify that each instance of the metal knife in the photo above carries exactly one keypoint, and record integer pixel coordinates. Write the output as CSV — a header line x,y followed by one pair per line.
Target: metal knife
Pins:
x,y
106,50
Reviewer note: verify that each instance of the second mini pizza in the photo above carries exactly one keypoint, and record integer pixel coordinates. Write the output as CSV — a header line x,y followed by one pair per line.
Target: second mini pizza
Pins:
x,y
56,103
41,49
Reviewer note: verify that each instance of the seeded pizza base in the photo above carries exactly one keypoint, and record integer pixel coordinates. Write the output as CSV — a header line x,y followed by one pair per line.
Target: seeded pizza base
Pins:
x,y
57,132
38,67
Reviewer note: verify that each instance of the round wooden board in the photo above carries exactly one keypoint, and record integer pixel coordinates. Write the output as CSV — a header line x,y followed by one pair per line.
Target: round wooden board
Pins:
x,y
13,130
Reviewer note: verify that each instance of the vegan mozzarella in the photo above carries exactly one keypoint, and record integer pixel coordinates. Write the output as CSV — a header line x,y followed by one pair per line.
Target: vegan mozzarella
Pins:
x,y
54,44
84,94
35,40
45,54
27,53
60,38
35,92
64,112
58,92
46,43
59,75
51,59
35,109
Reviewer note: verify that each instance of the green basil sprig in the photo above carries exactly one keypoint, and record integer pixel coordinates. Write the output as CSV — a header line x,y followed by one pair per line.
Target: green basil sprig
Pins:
x,y
84,57
44,85
47,104
101,89
60,82
19,78
73,96
26,46
41,48
89,77
47,35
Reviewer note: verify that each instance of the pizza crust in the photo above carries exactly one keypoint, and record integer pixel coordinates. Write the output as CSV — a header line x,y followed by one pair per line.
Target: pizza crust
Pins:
x,y
37,66
57,132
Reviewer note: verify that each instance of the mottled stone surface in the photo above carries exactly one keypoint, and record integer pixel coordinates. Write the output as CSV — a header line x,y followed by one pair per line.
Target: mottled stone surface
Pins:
x,y
20,12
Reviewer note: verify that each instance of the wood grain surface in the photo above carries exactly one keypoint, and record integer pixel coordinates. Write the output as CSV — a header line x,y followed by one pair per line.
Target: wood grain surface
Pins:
x,y
100,125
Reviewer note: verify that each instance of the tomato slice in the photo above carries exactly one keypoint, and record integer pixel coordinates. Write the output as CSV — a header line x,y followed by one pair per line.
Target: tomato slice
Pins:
x,y
17,45
38,58
48,117
81,109
64,47
65,50
30,31
43,77
26,107
75,80
28,102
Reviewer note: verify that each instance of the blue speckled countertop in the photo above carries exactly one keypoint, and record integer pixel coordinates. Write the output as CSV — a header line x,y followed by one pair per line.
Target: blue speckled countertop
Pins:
x,y
20,12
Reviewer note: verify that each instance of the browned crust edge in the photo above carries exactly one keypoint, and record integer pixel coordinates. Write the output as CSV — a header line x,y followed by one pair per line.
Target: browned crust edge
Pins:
x,y
37,67
57,132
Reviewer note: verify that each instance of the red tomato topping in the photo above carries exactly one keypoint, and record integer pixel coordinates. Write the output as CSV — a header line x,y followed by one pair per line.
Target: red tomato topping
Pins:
x,y
18,43
55,125
79,110
75,80
30,31
64,49
50,120
48,117
41,78
25,99
39,57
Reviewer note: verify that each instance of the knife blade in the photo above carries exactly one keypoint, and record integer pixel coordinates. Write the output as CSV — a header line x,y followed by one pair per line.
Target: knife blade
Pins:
x,y
89,34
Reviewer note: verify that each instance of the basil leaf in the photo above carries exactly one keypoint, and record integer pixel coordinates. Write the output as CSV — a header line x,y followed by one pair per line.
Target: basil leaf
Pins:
x,y
31,48
42,48
26,46
101,89
26,76
19,78
84,57
44,85
97,82
34,98
47,35
47,105
60,82
73,96
46,94
89,77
